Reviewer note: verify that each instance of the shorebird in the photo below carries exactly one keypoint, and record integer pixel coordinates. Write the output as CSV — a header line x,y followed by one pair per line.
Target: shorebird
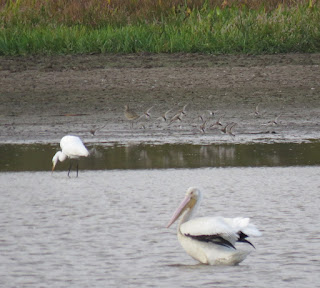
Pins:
x,y
178,116
216,124
147,113
130,114
212,113
203,127
257,112
72,148
274,122
183,110
201,118
95,129
164,116
212,240
228,128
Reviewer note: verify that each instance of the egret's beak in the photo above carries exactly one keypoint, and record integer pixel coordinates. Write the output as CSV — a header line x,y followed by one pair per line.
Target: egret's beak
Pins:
x,y
53,166
183,205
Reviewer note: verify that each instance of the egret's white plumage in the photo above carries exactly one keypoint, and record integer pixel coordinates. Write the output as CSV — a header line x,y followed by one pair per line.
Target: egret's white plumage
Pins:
x,y
71,147
212,240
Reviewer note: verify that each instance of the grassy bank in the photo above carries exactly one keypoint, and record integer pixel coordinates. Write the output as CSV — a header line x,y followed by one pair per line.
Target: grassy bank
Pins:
x,y
128,26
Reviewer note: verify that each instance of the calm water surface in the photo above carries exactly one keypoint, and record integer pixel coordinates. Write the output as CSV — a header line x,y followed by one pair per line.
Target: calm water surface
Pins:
x,y
107,227
37,157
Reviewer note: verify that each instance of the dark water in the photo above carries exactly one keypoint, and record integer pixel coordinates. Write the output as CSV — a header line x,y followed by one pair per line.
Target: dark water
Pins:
x,y
36,157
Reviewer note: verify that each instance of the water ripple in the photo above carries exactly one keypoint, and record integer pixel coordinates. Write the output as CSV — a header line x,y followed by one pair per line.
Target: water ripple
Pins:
x,y
107,228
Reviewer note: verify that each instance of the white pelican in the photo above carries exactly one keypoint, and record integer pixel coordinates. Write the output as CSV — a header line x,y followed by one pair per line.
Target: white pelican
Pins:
x,y
212,240
73,148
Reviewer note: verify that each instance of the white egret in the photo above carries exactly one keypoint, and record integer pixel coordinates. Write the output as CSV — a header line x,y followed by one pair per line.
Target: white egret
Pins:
x,y
71,147
212,240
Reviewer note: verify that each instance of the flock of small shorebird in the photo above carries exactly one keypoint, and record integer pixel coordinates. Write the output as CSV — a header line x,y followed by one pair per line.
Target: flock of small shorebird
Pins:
x,y
73,148
178,116
205,122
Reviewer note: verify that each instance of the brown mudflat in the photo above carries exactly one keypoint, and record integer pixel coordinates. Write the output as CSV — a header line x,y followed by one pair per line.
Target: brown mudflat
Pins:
x,y
46,97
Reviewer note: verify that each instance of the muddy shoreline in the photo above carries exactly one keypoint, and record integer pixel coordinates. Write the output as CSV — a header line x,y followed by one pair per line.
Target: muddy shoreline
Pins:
x,y
46,97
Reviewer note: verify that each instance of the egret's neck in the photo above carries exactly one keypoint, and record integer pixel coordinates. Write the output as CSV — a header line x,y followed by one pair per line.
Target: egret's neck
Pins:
x,y
59,156
62,156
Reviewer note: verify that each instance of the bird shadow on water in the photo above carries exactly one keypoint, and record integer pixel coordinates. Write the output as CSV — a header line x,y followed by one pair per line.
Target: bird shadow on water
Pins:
x,y
205,266
63,175
190,266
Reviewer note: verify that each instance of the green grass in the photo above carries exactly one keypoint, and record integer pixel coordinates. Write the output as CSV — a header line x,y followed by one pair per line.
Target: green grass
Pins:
x,y
203,29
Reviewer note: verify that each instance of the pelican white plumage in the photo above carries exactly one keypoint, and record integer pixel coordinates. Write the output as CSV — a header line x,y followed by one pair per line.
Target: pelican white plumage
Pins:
x,y
212,240
72,148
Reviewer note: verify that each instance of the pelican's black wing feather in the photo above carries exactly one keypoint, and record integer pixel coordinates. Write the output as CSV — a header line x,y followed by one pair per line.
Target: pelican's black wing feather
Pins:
x,y
215,239
242,238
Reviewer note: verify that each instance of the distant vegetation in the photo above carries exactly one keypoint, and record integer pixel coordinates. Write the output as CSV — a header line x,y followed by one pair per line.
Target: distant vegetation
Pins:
x,y
129,26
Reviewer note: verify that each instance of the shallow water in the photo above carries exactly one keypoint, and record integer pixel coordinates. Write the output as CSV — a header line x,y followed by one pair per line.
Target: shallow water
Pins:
x,y
37,157
106,228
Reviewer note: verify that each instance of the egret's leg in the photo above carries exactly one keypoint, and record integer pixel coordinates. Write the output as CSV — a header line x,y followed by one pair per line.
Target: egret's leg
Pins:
x,y
77,168
70,168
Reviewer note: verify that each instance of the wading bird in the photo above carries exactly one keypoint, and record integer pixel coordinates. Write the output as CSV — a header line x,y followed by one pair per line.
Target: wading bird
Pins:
x,y
147,113
274,122
164,116
178,116
228,128
216,124
95,129
130,114
257,112
212,240
202,127
72,148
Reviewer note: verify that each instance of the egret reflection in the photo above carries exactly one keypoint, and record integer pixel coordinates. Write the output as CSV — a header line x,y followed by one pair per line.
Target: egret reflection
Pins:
x,y
37,157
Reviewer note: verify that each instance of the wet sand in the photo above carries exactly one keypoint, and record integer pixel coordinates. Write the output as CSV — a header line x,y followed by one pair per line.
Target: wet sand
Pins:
x,y
44,98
